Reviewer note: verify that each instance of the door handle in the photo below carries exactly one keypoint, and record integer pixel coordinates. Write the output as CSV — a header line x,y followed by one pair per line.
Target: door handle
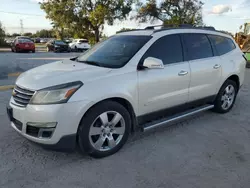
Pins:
x,y
183,73
216,66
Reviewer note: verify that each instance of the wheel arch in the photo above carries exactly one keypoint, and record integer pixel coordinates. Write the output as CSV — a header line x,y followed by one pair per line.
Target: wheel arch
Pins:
x,y
125,103
236,79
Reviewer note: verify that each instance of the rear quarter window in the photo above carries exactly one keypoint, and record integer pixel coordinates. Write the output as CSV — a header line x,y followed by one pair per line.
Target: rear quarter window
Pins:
x,y
222,45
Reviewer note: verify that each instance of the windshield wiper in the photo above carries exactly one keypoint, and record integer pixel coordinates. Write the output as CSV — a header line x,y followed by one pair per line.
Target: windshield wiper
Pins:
x,y
89,62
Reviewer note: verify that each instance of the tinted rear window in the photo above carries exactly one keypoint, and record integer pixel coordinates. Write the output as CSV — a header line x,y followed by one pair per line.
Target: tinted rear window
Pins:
x,y
222,45
82,41
24,41
59,42
198,46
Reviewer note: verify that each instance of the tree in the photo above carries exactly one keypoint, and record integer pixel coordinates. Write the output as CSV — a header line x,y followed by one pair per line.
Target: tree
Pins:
x,y
86,16
174,12
44,33
29,34
2,35
15,34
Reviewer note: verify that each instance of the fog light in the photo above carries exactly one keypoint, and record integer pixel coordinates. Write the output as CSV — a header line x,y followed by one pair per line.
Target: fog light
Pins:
x,y
42,125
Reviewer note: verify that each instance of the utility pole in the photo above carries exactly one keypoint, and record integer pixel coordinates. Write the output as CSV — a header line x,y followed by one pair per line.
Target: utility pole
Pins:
x,y
21,26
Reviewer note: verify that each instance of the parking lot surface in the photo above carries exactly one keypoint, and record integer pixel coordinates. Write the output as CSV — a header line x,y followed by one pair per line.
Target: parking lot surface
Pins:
x,y
208,150
11,63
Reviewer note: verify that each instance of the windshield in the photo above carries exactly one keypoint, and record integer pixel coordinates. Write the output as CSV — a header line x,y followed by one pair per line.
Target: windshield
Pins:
x,y
114,52
59,42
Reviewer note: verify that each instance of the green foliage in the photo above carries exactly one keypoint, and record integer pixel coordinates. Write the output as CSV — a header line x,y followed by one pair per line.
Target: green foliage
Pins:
x,y
2,36
44,34
15,34
85,17
174,12
28,34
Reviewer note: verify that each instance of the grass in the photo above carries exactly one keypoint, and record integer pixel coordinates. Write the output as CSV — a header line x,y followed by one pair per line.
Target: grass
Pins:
x,y
248,56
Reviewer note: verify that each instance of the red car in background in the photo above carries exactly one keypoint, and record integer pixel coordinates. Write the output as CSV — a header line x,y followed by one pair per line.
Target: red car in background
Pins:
x,y
23,44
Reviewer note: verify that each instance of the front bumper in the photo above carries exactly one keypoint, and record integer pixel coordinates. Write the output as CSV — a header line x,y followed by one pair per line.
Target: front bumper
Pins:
x,y
67,116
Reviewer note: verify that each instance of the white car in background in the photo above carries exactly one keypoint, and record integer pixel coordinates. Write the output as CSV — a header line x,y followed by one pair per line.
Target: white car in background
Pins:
x,y
79,45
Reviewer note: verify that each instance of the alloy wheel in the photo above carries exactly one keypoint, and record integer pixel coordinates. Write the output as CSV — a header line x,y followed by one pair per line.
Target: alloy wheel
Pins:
x,y
228,97
107,131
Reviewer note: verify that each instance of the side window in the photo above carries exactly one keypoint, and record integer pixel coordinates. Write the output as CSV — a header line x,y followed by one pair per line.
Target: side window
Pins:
x,y
198,46
167,48
223,45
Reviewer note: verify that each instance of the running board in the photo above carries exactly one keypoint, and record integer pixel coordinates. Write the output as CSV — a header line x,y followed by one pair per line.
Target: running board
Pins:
x,y
165,121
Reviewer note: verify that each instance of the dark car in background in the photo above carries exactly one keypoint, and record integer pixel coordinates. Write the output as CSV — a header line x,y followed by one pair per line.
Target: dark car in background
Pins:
x,y
57,46
22,44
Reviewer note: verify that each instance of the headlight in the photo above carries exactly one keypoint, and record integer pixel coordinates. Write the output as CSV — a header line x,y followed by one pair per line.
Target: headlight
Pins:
x,y
56,94
57,46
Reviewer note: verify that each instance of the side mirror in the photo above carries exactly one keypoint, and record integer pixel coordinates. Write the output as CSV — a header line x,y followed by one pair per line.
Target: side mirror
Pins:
x,y
153,63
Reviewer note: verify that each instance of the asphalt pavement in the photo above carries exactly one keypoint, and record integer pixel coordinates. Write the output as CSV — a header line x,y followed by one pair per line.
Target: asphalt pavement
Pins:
x,y
11,63
208,151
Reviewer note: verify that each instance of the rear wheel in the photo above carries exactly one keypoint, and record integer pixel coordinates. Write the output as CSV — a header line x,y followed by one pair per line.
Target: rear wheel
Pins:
x,y
226,97
33,51
104,129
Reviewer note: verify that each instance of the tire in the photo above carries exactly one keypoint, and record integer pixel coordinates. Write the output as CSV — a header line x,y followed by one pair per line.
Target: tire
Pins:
x,y
103,141
76,49
33,51
224,96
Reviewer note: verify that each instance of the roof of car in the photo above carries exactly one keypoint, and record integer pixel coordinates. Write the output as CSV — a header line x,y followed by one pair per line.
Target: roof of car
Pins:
x,y
154,32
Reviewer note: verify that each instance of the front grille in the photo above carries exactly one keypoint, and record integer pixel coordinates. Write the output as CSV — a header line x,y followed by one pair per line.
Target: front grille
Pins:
x,y
22,96
32,131
18,124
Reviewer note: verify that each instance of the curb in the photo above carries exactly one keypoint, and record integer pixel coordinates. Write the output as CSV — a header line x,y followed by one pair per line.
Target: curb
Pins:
x,y
5,88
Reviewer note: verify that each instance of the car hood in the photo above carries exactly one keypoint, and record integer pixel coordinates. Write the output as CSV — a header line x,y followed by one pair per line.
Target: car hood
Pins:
x,y
60,72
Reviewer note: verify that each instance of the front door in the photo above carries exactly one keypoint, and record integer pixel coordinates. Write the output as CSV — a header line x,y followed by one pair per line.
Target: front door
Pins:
x,y
164,88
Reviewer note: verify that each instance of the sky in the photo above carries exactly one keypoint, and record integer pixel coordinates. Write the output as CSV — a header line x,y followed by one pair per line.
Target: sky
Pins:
x,y
226,15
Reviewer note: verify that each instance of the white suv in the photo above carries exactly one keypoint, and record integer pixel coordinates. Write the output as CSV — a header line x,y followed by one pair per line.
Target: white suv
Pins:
x,y
143,78
79,45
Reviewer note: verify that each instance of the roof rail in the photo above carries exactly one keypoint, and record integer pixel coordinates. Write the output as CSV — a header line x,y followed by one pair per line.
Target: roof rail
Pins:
x,y
185,26
153,27
130,30
170,26
208,28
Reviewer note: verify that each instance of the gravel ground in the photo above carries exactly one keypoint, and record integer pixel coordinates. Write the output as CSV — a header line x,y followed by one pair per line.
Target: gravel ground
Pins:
x,y
207,151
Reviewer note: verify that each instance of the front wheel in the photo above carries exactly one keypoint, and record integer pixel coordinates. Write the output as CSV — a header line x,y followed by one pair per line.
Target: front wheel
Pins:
x,y
226,97
104,129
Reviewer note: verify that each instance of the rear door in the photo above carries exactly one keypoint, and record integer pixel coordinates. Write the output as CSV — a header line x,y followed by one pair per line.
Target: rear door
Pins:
x,y
204,64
